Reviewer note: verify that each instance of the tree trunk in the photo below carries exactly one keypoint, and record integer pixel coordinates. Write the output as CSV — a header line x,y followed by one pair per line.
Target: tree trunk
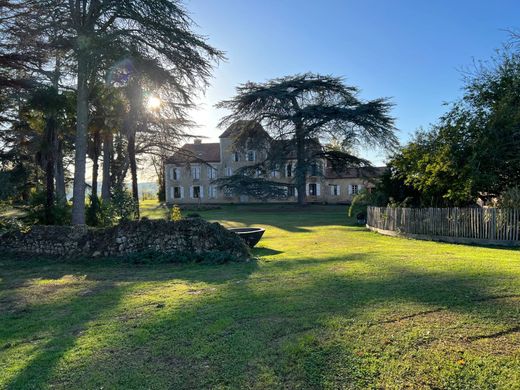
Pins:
x,y
301,167
107,158
61,196
95,161
133,170
50,141
78,193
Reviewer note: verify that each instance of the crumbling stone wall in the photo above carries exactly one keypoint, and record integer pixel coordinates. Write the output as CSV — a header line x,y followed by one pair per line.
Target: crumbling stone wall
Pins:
x,y
188,236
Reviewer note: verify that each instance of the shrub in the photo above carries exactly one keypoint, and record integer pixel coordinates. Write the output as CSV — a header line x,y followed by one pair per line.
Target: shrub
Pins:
x,y
510,199
61,213
175,214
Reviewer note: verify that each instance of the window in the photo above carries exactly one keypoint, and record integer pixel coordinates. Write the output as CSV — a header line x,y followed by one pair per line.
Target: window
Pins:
x,y
274,172
212,173
355,189
176,174
196,192
334,189
290,191
288,170
177,193
229,171
316,169
195,173
213,192
258,172
251,155
313,189
236,157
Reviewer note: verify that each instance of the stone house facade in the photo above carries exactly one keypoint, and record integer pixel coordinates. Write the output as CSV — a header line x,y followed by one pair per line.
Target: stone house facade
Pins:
x,y
189,175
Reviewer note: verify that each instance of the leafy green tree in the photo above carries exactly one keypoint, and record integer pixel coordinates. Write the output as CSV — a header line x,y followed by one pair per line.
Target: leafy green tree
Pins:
x,y
301,109
474,150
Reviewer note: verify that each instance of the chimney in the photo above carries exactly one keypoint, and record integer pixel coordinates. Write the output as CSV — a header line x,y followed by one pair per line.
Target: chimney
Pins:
x,y
197,141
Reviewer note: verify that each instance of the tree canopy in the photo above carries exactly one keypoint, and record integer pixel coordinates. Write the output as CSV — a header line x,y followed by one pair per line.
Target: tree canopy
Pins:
x,y
473,152
304,109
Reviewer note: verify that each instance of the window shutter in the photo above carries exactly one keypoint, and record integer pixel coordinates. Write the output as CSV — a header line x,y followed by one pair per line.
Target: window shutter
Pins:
x,y
182,192
295,192
170,191
331,190
201,192
308,188
339,189
350,189
318,189
191,192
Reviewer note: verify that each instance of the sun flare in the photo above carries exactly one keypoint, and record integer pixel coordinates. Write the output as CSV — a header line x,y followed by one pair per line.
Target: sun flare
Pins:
x,y
153,103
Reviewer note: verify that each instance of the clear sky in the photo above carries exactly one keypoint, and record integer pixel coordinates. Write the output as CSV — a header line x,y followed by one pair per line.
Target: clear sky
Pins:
x,y
411,51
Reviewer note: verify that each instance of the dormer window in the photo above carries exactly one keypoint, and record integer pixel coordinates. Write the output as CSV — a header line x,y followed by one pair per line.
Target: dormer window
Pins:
x,y
251,155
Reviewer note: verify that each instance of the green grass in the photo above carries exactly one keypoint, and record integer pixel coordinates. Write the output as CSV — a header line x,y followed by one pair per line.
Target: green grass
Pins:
x,y
325,305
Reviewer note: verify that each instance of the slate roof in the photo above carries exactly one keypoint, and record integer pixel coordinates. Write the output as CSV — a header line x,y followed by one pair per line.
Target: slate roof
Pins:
x,y
196,152
235,129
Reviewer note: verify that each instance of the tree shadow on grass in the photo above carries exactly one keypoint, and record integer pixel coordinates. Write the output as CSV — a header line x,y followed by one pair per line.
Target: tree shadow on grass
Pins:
x,y
53,324
274,331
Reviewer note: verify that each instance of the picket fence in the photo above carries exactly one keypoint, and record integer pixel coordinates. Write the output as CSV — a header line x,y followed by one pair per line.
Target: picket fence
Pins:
x,y
485,225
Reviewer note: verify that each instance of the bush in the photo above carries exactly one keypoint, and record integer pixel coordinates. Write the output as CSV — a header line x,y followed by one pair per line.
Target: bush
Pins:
x,y
175,214
60,213
121,207
510,199
12,224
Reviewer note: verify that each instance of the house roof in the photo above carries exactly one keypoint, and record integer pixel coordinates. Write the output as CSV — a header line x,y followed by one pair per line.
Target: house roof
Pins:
x,y
196,152
352,173
237,128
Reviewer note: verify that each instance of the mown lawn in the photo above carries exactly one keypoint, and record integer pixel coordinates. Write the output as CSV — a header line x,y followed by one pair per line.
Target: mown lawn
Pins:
x,y
326,305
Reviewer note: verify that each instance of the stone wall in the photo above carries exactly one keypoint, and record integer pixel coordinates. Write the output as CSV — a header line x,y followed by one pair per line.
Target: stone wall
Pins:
x,y
187,236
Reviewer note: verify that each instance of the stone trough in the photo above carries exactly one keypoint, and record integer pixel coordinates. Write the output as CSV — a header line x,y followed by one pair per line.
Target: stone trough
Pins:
x,y
250,235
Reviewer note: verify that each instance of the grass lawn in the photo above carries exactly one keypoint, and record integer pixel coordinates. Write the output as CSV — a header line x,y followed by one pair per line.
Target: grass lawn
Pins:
x,y
326,305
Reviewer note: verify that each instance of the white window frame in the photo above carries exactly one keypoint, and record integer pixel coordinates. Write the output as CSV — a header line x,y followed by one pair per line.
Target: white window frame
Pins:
x,y
212,172
236,157
309,186
195,173
213,192
175,174
192,192
253,154
335,189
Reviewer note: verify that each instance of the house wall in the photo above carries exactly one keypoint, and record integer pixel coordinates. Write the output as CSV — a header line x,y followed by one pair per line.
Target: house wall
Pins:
x,y
185,182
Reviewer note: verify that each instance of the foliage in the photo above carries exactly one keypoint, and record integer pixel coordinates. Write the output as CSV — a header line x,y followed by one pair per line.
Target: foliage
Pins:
x,y
8,224
93,215
510,198
38,215
175,214
244,183
120,207
474,150
299,111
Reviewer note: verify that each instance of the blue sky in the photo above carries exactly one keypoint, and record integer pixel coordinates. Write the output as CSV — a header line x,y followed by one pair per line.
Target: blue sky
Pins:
x,y
411,51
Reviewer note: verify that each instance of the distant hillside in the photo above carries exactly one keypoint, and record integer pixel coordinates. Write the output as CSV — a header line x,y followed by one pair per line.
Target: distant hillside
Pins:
x,y
148,188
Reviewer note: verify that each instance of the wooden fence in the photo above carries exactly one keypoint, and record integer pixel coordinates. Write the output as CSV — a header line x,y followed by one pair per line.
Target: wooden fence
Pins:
x,y
465,225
